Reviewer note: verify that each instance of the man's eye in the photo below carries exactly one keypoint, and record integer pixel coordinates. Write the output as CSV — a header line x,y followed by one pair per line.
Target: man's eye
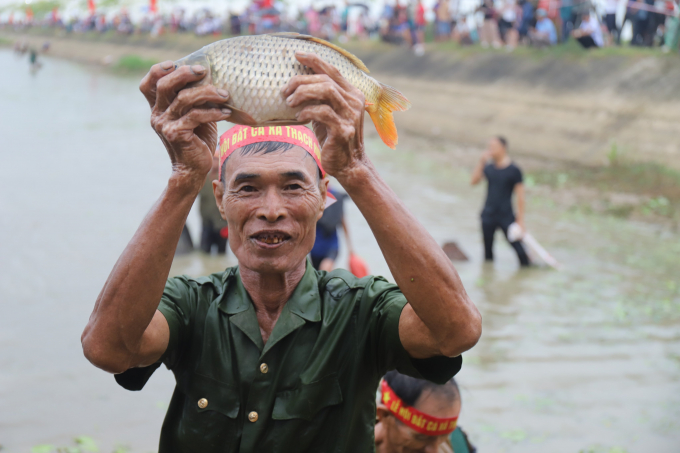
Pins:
x,y
247,189
293,187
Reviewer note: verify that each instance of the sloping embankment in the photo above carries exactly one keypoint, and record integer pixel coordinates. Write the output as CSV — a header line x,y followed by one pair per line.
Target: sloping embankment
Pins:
x,y
569,107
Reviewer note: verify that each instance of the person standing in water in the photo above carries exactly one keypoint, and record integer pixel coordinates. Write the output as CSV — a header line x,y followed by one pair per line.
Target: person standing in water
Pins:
x,y
215,229
504,178
327,243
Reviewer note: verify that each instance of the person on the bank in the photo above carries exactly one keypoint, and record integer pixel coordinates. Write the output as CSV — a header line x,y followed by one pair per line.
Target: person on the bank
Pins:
x,y
327,243
589,33
504,179
543,34
414,415
215,230
271,355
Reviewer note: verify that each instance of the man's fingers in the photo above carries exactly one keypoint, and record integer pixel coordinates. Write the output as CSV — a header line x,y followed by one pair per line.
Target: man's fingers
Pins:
x,y
299,80
148,84
319,66
193,97
327,92
197,117
322,113
168,87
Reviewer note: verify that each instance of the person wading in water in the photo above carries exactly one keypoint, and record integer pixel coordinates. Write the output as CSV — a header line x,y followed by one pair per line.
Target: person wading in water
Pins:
x,y
272,355
504,179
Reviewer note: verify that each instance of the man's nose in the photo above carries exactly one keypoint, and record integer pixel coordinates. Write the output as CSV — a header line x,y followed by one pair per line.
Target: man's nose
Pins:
x,y
272,208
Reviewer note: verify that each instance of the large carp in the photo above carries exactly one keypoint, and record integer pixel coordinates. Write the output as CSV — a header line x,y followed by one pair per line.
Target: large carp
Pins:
x,y
254,69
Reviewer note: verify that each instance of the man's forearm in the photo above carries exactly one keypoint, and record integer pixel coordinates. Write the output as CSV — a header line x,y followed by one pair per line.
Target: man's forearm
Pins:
x,y
128,301
478,171
420,268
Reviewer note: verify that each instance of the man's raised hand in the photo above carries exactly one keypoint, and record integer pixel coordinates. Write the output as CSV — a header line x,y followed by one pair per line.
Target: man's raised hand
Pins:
x,y
184,118
336,109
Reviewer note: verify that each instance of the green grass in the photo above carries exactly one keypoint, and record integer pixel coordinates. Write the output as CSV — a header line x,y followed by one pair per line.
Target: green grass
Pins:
x,y
134,63
658,183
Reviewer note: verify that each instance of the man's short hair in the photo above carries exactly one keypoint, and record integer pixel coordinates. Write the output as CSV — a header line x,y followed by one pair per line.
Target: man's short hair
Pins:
x,y
409,389
503,141
261,148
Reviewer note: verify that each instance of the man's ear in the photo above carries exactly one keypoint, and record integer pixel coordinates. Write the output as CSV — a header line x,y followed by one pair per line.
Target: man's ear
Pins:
x,y
218,190
323,188
381,412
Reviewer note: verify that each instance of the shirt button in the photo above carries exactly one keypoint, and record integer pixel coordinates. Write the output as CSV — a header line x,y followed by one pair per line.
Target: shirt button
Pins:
x,y
203,403
253,416
264,368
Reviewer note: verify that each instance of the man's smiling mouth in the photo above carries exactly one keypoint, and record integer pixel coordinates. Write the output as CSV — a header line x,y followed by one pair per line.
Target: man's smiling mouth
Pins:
x,y
271,238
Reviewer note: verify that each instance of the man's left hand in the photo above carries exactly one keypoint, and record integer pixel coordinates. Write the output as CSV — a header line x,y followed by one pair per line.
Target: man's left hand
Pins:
x,y
336,109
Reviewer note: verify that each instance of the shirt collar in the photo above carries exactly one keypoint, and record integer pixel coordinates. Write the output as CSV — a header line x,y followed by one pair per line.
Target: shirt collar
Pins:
x,y
305,301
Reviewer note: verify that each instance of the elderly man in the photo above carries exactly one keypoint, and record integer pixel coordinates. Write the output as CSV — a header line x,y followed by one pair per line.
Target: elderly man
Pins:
x,y
417,416
271,355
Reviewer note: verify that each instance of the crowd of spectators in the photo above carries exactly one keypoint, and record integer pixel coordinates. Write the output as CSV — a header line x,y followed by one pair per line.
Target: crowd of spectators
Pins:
x,y
491,23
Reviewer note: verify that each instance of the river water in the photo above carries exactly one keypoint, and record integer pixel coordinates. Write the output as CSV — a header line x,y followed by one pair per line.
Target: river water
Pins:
x,y
586,359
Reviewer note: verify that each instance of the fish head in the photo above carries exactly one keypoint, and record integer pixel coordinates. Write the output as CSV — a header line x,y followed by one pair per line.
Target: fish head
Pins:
x,y
197,58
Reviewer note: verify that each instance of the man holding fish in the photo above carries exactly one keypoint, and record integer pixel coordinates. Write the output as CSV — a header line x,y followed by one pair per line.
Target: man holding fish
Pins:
x,y
271,355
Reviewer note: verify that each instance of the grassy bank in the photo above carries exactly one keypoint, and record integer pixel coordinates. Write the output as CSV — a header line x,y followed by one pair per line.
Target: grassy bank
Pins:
x,y
189,41
133,64
633,190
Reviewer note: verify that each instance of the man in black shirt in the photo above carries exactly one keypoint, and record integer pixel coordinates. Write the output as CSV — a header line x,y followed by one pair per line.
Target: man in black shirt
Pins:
x,y
504,178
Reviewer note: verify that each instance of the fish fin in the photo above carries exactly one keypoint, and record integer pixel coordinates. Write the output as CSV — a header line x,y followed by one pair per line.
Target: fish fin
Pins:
x,y
238,116
389,100
351,57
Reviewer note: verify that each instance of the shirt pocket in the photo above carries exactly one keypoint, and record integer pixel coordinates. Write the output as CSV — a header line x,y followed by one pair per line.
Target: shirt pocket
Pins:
x,y
208,394
306,400
209,420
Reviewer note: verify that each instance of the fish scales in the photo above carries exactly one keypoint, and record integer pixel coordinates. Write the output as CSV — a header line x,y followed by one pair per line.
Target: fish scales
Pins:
x,y
254,69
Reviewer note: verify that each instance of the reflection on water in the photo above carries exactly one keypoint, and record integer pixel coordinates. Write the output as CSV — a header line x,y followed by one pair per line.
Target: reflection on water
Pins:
x,y
583,359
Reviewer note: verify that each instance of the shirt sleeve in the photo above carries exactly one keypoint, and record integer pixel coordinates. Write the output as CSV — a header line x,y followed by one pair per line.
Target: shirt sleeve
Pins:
x,y
387,302
177,306
519,177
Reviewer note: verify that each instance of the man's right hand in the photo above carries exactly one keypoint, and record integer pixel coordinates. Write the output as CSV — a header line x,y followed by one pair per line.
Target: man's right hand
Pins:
x,y
184,118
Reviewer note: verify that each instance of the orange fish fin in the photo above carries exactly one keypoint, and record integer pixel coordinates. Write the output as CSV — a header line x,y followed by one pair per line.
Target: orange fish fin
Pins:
x,y
353,58
389,100
368,104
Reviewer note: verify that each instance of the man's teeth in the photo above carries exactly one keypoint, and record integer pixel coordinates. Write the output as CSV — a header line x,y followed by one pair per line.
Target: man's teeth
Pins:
x,y
270,239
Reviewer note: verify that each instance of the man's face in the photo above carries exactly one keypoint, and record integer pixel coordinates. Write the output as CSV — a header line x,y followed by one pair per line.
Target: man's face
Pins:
x,y
399,438
496,149
271,203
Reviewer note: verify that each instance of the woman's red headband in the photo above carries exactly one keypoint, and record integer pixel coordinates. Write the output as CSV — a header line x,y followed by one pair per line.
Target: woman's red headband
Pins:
x,y
413,418
240,136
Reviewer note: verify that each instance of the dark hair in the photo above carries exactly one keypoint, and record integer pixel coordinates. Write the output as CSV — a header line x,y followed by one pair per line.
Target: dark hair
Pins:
x,y
503,141
409,389
261,148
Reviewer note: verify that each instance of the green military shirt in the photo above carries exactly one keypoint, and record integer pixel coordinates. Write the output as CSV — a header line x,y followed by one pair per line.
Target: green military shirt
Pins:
x,y
311,387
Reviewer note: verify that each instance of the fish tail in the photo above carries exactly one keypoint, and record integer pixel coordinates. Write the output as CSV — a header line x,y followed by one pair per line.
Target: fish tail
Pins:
x,y
389,100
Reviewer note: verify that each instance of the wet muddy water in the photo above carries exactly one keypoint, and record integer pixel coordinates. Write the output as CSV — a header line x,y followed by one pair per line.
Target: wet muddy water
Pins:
x,y
584,359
